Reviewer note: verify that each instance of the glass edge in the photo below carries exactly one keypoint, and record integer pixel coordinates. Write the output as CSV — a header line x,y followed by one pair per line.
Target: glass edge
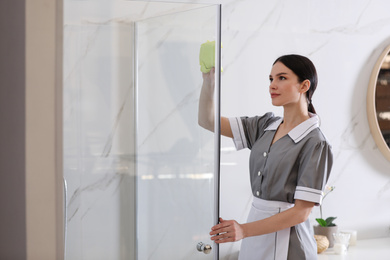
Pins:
x,y
217,122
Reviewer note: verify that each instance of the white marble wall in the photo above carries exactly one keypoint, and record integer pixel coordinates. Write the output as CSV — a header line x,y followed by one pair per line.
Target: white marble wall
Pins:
x,y
343,38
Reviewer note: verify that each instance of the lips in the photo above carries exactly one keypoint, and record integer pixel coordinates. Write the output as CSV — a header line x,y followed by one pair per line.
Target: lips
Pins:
x,y
273,95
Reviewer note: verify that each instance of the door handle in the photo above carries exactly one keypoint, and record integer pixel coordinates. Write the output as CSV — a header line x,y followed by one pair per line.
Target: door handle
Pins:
x,y
203,248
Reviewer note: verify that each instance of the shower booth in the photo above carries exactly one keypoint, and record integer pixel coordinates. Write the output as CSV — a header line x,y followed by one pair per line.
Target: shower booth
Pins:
x,y
141,177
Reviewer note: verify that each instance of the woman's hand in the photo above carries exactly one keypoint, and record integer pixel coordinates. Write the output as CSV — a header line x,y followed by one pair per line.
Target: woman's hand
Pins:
x,y
227,231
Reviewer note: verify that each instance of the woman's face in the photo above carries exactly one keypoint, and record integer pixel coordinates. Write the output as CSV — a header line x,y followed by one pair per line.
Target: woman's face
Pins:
x,y
285,89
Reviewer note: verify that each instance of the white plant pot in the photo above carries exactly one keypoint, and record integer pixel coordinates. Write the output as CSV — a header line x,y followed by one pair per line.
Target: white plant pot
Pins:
x,y
326,231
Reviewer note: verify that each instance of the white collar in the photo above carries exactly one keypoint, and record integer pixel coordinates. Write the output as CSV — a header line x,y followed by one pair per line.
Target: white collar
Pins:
x,y
300,131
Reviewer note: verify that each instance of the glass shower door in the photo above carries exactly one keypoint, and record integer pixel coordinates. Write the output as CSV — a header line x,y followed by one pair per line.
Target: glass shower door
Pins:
x,y
141,175
177,161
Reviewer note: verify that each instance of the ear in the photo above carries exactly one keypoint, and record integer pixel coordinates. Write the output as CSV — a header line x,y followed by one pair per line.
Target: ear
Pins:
x,y
305,85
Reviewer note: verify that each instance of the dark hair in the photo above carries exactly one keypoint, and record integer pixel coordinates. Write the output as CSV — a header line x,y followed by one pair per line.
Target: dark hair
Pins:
x,y
304,69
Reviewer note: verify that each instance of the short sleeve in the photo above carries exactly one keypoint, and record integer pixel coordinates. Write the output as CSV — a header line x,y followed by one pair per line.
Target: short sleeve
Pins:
x,y
315,166
246,130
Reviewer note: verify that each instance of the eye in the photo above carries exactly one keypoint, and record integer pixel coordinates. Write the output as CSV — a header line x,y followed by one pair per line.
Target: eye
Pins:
x,y
271,79
282,78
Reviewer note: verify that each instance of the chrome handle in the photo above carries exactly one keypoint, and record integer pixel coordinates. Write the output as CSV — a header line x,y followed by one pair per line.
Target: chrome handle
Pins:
x,y
203,248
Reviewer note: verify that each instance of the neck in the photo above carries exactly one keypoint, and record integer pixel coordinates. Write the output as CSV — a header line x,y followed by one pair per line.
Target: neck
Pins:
x,y
295,115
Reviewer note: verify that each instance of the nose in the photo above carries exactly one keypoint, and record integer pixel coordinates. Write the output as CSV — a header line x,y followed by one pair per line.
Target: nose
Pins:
x,y
272,85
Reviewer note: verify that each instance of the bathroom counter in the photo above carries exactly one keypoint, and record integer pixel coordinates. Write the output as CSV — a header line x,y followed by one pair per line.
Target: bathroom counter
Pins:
x,y
372,249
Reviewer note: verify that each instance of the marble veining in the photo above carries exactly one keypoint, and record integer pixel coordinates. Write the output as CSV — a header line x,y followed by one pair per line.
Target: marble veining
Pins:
x,y
101,184
383,190
189,98
110,139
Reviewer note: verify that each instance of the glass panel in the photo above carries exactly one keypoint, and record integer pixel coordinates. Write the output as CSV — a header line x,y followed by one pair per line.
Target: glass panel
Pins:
x,y
129,162
175,157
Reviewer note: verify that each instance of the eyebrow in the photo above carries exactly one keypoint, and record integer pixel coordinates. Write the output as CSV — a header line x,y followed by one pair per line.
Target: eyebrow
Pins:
x,y
279,74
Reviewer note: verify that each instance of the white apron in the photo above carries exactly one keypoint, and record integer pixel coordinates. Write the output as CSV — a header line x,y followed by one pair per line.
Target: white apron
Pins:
x,y
272,246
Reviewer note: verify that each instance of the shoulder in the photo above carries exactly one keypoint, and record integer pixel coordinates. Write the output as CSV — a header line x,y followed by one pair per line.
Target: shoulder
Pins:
x,y
252,128
317,138
264,121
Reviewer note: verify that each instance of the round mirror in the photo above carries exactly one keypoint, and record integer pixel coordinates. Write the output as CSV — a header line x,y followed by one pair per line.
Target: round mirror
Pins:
x,y
378,103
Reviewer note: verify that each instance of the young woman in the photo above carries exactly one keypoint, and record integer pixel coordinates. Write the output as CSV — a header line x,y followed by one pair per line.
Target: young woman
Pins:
x,y
290,163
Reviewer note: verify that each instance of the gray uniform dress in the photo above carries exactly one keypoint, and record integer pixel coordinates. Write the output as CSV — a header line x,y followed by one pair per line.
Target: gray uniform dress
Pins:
x,y
297,166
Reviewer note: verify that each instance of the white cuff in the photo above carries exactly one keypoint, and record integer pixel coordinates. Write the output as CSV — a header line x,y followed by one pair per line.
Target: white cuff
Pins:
x,y
239,138
308,194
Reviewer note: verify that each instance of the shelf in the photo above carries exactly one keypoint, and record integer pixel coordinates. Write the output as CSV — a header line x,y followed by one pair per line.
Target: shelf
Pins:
x,y
376,249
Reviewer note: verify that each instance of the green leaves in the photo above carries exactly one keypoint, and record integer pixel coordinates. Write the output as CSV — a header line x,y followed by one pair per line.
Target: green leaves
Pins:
x,y
326,223
321,221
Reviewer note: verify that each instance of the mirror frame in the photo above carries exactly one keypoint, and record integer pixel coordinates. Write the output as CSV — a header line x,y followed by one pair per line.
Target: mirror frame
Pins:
x,y
371,109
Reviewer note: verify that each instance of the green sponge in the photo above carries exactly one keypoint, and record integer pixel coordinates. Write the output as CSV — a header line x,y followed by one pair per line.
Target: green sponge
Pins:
x,y
207,56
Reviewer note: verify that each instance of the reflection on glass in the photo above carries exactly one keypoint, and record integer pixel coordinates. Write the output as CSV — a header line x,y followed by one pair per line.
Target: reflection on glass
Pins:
x,y
382,99
174,156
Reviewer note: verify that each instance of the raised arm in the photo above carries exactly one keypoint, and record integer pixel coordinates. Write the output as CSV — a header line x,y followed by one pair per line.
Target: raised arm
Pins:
x,y
206,112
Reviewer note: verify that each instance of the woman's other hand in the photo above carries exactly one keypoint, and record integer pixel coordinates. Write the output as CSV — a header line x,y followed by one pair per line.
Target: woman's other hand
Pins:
x,y
227,231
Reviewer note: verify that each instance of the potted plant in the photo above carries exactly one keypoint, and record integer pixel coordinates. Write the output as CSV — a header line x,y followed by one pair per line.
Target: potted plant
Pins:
x,y
326,227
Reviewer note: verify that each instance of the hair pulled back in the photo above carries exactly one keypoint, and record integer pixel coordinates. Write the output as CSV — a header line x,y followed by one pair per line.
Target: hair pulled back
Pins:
x,y
305,70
